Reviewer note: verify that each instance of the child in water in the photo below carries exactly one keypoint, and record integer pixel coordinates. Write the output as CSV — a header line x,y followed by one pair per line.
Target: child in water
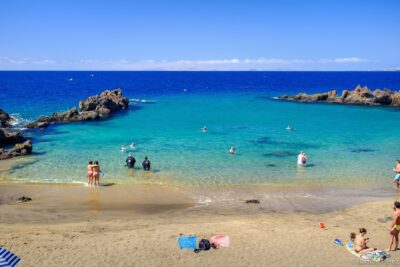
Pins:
x,y
396,170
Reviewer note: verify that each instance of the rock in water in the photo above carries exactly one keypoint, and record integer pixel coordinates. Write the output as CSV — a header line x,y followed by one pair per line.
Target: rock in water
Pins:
x,y
10,138
359,96
22,149
93,108
5,119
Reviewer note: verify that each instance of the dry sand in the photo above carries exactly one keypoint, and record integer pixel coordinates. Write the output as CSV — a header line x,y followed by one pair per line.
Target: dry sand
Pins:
x,y
139,226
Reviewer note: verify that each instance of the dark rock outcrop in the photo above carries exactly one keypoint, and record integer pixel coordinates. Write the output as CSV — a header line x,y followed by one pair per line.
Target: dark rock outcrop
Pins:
x,y
5,119
18,150
7,138
93,108
359,96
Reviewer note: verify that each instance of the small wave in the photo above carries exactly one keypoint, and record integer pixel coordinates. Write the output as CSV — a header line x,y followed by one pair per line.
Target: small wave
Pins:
x,y
141,101
18,121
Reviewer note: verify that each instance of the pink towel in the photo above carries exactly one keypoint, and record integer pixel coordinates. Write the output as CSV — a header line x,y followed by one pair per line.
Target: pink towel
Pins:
x,y
220,240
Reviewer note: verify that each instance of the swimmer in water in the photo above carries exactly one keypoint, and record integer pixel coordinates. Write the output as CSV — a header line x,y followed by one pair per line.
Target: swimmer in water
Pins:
x,y
232,150
123,148
204,129
289,128
132,146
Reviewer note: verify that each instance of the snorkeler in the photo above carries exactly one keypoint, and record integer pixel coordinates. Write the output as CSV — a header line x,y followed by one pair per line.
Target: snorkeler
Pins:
x,y
204,129
289,128
146,164
130,161
232,150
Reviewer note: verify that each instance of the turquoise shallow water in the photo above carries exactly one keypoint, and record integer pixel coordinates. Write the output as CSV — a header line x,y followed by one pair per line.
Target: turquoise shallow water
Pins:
x,y
345,144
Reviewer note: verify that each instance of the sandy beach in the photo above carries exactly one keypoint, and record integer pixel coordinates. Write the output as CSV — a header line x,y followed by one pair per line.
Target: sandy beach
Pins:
x,y
139,226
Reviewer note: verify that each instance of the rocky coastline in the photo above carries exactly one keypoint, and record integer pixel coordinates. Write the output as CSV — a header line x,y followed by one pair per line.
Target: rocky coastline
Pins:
x,y
94,108
358,96
14,144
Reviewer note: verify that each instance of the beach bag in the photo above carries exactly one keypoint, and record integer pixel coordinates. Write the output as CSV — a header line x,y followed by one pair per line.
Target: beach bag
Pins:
x,y
204,244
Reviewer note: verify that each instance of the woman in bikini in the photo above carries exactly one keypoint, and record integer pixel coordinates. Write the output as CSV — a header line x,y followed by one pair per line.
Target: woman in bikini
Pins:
x,y
361,243
96,173
90,173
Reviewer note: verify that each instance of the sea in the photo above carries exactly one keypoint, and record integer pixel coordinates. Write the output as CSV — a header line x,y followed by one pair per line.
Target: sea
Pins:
x,y
345,145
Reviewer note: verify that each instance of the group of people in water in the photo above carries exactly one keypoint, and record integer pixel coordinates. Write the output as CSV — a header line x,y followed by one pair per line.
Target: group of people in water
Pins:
x,y
130,162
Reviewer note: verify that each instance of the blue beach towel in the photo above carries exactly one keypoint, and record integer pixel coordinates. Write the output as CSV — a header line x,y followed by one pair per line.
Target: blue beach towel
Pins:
x,y
187,242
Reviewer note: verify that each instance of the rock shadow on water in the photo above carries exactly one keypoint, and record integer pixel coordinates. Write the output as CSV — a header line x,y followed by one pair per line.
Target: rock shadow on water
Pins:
x,y
362,150
271,165
280,154
294,145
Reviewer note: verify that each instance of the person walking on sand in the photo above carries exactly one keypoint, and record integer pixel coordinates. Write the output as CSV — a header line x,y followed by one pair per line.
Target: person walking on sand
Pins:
x,y
146,164
90,173
396,170
395,227
361,243
96,173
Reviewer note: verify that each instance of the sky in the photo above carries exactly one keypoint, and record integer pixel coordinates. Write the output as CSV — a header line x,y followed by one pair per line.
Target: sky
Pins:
x,y
200,35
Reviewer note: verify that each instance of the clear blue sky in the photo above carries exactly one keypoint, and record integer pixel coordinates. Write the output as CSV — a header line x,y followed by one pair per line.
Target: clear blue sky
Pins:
x,y
203,34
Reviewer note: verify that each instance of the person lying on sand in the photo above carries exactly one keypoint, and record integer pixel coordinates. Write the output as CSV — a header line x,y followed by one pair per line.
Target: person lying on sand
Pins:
x,y
395,227
396,170
361,243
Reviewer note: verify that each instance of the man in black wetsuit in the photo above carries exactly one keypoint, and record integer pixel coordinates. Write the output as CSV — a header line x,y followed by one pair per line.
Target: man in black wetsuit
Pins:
x,y
130,161
146,164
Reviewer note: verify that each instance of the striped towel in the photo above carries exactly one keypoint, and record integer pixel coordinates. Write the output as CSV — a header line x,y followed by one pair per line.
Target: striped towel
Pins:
x,y
7,258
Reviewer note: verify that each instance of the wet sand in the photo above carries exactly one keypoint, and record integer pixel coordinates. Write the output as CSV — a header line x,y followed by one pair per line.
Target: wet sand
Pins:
x,y
72,225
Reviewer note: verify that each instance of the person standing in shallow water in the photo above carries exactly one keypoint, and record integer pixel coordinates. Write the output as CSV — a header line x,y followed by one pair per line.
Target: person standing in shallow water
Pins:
x,y
90,173
146,164
396,170
394,227
130,161
96,173
302,159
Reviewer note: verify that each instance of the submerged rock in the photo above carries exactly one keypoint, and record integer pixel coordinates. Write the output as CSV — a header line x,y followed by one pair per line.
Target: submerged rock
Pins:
x,y
93,108
359,96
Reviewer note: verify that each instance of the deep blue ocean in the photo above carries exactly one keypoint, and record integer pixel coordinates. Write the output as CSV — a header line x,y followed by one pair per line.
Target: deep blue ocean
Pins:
x,y
345,144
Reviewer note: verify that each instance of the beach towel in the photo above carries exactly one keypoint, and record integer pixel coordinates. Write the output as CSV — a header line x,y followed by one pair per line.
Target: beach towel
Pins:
x,y
220,240
187,242
350,248
375,256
